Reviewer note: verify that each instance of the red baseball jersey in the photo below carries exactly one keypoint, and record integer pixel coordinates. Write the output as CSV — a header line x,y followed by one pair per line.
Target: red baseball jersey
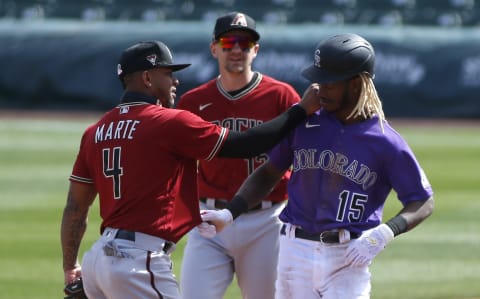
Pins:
x,y
263,100
142,160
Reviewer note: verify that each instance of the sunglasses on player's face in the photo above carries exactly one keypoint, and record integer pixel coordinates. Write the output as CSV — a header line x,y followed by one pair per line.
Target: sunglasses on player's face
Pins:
x,y
228,42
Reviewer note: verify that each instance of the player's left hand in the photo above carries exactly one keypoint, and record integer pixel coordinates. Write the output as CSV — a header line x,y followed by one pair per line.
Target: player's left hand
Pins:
x,y
362,251
218,218
207,230
72,275
75,290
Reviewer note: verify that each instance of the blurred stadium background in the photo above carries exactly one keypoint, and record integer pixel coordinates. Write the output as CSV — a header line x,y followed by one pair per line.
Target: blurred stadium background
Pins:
x,y
373,12
61,54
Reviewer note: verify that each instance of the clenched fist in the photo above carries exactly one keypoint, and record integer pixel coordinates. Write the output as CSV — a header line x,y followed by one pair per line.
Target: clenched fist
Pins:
x,y
214,221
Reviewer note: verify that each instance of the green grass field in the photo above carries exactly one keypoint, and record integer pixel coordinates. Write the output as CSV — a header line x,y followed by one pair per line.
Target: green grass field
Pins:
x,y
438,260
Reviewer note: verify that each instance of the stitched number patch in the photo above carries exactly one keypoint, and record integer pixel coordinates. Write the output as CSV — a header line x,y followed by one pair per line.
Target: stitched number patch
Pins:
x,y
351,207
253,161
112,168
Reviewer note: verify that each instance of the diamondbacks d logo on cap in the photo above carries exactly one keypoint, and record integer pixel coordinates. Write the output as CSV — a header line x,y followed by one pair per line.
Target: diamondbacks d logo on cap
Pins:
x,y
152,59
239,20
317,58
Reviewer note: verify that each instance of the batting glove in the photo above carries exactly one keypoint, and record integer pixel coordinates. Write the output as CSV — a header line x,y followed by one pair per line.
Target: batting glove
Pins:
x,y
219,219
363,250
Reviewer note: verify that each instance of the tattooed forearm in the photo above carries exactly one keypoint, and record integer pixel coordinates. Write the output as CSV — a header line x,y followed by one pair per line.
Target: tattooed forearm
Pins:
x,y
74,224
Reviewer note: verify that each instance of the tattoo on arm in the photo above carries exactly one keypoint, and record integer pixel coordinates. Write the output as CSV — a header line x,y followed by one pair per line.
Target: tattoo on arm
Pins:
x,y
74,224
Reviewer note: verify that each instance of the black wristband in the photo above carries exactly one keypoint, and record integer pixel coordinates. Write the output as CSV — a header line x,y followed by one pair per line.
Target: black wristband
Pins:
x,y
237,206
398,225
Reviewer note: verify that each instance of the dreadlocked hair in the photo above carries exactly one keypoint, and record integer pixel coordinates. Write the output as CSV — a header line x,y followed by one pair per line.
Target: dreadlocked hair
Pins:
x,y
369,103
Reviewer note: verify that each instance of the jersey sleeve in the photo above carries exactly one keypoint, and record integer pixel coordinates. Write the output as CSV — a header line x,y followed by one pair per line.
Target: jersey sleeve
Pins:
x,y
194,137
80,172
407,176
281,154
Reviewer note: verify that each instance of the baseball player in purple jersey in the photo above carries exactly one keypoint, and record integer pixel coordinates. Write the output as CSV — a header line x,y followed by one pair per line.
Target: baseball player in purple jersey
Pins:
x,y
345,160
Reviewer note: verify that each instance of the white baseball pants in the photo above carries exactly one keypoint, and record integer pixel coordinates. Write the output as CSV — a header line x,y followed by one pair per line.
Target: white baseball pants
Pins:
x,y
313,270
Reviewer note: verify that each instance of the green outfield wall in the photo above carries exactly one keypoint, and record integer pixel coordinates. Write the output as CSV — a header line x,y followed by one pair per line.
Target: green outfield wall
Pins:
x,y
420,72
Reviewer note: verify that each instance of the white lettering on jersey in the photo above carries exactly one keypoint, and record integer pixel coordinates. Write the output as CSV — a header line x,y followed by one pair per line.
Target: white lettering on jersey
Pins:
x,y
335,163
238,124
123,129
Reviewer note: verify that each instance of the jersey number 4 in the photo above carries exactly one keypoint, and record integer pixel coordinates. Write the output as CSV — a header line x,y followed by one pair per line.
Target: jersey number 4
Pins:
x,y
352,206
112,168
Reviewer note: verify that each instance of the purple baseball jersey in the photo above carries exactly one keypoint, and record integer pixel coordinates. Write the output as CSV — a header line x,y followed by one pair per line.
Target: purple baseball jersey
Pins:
x,y
342,174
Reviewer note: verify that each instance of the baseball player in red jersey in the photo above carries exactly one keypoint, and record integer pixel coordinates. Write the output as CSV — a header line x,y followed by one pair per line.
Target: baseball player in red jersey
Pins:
x,y
140,158
238,99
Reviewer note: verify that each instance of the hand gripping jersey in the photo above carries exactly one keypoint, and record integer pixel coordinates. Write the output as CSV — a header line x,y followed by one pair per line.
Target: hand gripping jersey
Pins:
x,y
342,174
262,100
142,160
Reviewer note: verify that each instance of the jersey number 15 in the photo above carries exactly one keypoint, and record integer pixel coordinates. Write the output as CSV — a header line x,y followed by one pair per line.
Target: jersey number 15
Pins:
x,y
352,206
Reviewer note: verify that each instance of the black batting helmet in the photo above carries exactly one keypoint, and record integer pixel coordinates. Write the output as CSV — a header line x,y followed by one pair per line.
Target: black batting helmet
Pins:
x,y
341,57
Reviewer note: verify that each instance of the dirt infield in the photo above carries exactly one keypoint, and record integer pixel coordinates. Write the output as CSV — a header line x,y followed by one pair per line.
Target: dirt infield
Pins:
x,y
79,115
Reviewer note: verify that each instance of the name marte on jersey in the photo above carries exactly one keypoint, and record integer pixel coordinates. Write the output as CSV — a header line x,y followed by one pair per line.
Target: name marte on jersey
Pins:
x,y
336,163
122,129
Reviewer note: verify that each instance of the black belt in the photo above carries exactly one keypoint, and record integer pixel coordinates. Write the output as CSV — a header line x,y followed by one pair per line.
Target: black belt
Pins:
x,y
222,204
130,236
324,237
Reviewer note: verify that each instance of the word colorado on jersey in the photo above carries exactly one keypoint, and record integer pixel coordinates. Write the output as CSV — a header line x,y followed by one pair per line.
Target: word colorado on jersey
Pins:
x,y
122,129
336,163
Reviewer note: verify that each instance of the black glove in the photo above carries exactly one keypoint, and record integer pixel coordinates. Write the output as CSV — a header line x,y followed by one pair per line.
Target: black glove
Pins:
x,y
75,290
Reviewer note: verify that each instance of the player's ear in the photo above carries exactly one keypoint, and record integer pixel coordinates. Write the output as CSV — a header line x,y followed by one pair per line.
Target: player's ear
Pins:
x,y
255,49
355,84
146,79
213,48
